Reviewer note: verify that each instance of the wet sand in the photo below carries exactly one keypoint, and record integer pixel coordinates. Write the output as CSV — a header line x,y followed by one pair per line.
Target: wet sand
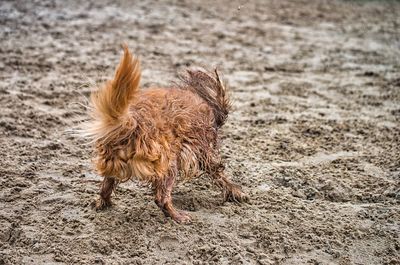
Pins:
x,y
313,138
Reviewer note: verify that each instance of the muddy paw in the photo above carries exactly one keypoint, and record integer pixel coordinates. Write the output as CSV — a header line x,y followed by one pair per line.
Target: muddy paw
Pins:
x,y
182,218
101,204
236,195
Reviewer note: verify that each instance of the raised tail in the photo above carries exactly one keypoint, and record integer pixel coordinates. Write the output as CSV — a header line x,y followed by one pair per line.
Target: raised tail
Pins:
x,y
211,89
110,103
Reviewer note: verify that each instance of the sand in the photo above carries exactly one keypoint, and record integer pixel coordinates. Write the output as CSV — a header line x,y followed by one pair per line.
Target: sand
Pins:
x,y
313,138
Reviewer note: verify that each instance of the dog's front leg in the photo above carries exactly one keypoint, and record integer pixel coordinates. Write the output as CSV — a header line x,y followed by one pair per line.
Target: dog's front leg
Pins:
x,y
231,191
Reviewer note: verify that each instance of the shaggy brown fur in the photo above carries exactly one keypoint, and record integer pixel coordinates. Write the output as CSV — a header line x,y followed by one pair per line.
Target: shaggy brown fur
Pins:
x,y
157,135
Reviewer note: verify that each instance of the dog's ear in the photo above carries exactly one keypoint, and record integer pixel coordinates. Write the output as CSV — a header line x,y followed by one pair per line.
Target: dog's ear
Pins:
x,y
211,89
221,84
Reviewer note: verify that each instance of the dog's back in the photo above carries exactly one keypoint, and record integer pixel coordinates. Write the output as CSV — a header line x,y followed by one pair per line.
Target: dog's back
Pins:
x,y
172,124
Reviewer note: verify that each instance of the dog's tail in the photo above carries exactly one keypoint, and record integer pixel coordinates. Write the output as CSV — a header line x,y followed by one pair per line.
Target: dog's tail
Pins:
x,y
110,102
211,89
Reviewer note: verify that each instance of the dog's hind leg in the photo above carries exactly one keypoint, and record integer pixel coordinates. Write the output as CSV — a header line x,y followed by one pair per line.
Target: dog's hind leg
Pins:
x,y
107,187
163,194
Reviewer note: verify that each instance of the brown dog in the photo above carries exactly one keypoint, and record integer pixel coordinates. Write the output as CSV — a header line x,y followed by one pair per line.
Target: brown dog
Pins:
x,y
157,135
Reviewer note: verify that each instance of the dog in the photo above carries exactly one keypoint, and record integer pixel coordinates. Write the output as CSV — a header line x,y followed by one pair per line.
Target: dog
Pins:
x,y
159,135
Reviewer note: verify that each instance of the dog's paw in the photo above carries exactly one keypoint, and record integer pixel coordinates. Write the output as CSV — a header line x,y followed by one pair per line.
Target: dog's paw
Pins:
x,y
236,195
101,204
182,218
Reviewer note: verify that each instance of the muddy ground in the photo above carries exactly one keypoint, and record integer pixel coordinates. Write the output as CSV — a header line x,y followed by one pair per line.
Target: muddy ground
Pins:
x,y
314,137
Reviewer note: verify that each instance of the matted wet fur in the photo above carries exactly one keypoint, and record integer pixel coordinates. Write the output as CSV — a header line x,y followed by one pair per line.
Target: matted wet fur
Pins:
x,y
158,135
